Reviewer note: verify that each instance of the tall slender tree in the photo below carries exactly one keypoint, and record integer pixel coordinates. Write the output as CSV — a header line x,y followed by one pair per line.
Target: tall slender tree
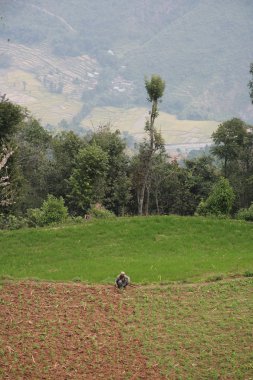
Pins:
x,y
155,89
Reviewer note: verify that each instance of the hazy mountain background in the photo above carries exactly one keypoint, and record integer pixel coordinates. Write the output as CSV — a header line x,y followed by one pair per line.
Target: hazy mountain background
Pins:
x,y
80,62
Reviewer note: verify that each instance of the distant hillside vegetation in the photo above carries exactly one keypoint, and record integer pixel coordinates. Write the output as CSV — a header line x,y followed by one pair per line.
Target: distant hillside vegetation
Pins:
x,y
98,52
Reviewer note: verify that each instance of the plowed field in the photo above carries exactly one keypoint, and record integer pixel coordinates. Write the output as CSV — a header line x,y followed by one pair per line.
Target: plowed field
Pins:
x,y
76,331
56,331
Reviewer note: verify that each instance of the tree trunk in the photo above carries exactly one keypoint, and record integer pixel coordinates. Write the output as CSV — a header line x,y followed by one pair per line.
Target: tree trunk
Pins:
x,y
5,158
225,168
141,200
156,202
147,199
150,153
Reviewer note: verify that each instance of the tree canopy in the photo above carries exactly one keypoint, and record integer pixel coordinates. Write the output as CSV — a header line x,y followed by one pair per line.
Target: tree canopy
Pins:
x,y
77,174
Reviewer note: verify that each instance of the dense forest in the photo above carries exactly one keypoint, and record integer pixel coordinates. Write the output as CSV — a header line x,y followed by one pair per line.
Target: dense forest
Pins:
x,y
46,178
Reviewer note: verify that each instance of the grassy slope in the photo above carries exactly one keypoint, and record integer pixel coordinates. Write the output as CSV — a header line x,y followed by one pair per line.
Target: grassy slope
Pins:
x,y
154,249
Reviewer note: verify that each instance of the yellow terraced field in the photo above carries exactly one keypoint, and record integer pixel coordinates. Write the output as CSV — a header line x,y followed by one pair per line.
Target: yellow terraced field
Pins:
x,y
23,88
133,120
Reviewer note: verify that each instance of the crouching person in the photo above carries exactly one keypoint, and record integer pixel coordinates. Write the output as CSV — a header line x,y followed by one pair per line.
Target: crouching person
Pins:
x,y
122,281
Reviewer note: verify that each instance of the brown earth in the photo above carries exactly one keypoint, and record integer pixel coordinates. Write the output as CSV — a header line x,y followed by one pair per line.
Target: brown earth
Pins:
x,y
68,331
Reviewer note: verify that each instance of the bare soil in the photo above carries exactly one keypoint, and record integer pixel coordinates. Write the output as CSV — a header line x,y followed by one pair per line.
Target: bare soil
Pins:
x,y
68,331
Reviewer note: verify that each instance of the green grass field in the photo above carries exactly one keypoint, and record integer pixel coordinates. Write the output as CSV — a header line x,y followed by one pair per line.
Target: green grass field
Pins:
x,y
150,250
199,330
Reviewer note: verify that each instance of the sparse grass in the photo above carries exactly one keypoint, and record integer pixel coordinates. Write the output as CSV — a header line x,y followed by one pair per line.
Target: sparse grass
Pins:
x,y
150,250
196,332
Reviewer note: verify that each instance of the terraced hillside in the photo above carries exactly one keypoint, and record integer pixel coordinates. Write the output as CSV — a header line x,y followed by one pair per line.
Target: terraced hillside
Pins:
x,y
95,55
51,87
24,88
187,134
68,75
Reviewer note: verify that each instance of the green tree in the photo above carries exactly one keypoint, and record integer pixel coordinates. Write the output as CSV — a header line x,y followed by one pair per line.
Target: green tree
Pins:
x,y
178,189
154,142
233,145
33,157
65,149
11,115
228,141
220,200
202,175
117,182
6,197
87,182
156,181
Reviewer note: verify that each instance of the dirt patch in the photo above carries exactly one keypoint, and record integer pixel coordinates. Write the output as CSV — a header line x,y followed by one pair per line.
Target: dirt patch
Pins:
x,y
68,331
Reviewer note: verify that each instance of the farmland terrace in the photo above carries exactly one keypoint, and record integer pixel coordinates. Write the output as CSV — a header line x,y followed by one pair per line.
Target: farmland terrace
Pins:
x,y
75,331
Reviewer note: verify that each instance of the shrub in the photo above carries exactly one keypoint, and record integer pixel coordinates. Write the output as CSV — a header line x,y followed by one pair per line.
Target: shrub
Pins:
x,y
245,214
12,222
100,212
248,273
52,211
75,220
220,200
217,277
35,217
76,279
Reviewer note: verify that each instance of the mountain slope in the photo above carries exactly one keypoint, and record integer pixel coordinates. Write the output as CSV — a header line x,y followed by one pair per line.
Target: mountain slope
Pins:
x,y
98,52
205,58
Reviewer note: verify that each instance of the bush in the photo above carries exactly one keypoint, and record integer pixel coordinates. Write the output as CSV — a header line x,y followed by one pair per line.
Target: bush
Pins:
x,y
220,200
217,277
248,273
245,214
35,217
52,211
12,222
75,220
100,212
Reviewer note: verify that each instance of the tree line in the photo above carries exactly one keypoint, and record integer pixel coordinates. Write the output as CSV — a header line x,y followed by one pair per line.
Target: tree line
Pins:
x,y
38,167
